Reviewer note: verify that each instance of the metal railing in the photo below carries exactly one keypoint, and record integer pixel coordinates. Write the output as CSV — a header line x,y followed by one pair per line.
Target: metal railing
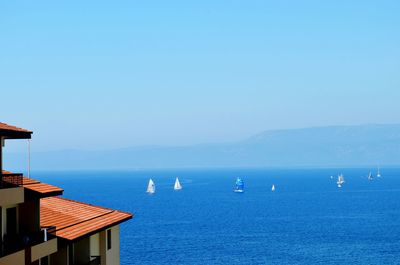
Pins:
x,y
95,261
9,180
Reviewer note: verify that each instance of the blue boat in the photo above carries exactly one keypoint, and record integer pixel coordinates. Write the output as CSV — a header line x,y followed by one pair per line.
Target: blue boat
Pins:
x,y
239,186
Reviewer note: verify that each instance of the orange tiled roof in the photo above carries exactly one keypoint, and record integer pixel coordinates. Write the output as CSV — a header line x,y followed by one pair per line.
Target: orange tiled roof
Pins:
x,y
74,219
4,126
42,188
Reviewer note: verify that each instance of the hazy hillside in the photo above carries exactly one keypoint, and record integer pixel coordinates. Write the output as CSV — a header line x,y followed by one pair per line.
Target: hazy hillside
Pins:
x,y
366,145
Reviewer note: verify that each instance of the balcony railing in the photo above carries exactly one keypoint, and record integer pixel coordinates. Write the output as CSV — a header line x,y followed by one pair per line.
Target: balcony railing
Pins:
x,y
15,243
9,180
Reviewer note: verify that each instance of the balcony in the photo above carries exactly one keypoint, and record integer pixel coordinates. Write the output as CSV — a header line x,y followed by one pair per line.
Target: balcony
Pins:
x,y
11,190
15,243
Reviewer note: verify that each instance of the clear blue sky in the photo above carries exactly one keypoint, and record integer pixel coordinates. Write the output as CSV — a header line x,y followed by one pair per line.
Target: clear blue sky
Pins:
x,y
105,74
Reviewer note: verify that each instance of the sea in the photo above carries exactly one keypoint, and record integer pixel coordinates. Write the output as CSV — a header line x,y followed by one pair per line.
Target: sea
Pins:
x,y
306,220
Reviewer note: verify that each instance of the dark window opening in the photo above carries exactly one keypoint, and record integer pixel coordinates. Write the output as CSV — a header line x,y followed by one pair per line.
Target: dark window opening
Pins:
x,y
11,221
109,239
44,261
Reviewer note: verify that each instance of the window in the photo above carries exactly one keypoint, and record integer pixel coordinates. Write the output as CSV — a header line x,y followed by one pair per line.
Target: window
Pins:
x,y
109,239
11,221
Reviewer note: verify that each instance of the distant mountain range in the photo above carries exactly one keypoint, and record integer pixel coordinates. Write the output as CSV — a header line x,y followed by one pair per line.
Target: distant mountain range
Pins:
x,y
335,146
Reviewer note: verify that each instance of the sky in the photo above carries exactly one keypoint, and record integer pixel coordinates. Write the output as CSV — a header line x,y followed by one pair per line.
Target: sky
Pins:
x,y
110,74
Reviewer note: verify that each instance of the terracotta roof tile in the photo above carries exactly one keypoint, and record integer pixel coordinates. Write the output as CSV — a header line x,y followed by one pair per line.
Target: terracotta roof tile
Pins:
x,y
74,219
28,181
4,126
42,188
84,228
34,185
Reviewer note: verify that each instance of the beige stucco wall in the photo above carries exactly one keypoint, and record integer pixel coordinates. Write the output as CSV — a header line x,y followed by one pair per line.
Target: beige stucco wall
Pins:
x,y
17,258
110,256
113,253
44,249
11,196
95,245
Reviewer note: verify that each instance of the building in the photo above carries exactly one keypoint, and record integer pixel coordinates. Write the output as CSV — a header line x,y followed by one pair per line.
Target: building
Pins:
x,y
39,227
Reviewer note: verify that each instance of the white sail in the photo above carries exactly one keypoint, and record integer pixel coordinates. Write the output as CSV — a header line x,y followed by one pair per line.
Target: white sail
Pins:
x,y
177,185
151,188
340,180
273,187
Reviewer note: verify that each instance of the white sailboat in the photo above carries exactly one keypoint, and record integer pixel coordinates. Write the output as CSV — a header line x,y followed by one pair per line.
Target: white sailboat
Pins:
x,y
151,188
370,177
239,186
177,185
273,187
378,175
340,181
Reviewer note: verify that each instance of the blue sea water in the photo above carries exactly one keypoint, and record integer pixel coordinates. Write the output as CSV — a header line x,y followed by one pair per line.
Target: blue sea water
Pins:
x,y
307,220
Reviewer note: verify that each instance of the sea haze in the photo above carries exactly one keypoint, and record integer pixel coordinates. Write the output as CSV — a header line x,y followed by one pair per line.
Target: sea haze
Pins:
x,y
334,146
307,220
